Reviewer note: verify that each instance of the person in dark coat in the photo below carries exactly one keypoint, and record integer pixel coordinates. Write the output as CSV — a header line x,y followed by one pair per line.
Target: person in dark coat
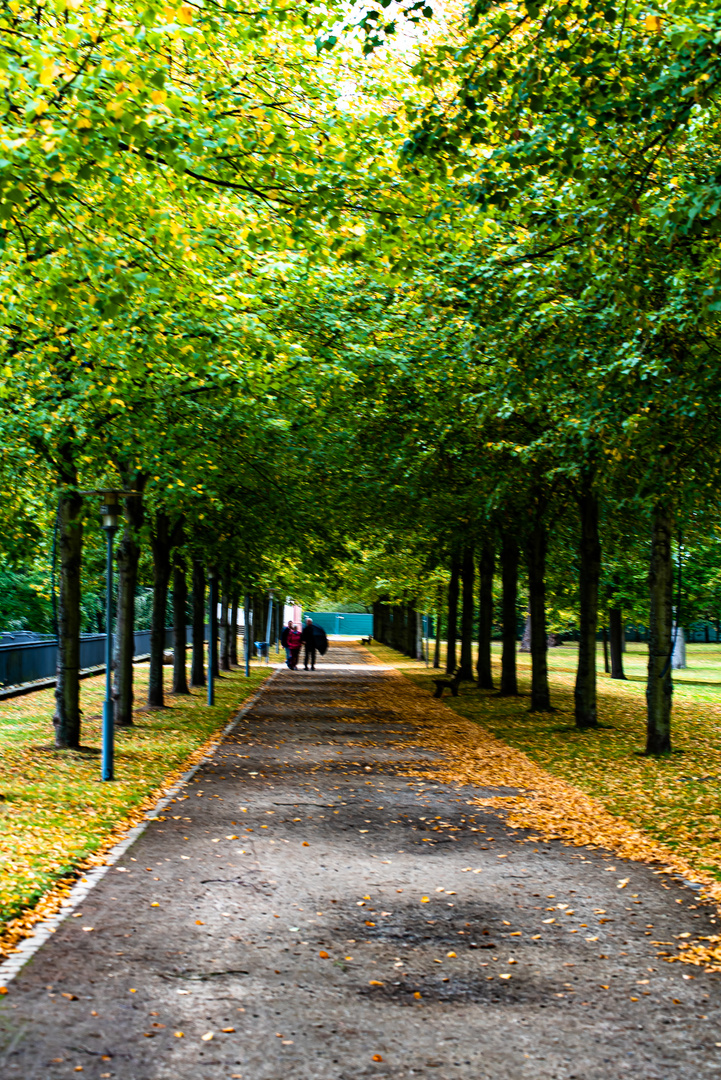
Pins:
x,y
284,638
295,640
309,642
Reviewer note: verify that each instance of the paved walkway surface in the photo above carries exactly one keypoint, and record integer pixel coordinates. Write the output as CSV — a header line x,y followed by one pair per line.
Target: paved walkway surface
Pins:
x,y
312,907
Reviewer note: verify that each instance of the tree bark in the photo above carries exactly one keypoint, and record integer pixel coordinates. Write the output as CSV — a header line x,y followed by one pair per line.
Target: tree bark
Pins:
x,y
224,623
162,540
180,600
485,616
615,635
467,611
66,718
452,631
128,557
509,560
536,559
584,693
197,666
659,686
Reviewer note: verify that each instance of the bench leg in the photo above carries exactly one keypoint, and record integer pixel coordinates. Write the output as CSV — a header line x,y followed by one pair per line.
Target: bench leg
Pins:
x,y
438,692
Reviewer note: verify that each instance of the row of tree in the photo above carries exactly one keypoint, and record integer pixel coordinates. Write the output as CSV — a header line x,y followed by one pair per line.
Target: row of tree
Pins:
x,y
368,312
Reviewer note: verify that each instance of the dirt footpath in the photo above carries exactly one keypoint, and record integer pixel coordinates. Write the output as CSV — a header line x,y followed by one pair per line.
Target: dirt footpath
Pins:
x,y
314,906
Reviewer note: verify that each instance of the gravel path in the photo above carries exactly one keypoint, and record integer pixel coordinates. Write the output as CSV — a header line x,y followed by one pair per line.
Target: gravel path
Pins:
x,y
313,905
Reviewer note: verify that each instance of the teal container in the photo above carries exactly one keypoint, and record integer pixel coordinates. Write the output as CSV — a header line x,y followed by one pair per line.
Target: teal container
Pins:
x,y
347,624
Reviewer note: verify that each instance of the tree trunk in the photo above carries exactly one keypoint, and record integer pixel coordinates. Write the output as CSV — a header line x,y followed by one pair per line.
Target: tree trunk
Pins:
x,y
526,639
128,557
439,617
604,638
509,559
615,635
66,718
584,694
234,631
180,600
659,686
420,642
161,547
224,624
467,612
485,616
197,666
452,631
536,558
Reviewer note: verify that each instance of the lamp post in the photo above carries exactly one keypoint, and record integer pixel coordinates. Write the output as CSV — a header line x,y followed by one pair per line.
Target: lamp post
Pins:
x,y
109,513
212,635
271,597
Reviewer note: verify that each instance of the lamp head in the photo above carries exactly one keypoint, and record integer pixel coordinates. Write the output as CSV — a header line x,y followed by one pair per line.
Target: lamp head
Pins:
x,y
110,510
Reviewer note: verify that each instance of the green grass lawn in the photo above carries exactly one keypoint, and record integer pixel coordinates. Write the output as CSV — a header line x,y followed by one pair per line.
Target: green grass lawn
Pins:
x,y
675,799
55,814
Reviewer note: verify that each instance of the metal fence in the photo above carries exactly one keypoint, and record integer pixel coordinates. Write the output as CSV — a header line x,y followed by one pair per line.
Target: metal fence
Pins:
x,y
27,661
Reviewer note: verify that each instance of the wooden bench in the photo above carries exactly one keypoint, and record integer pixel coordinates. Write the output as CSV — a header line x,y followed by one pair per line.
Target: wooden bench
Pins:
x,y
447,684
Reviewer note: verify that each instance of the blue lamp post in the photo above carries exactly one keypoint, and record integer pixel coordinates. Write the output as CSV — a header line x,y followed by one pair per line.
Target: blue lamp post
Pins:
x,y
109,512
212,634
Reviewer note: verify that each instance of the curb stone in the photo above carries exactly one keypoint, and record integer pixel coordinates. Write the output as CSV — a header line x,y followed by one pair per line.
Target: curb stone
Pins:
x,y
44,929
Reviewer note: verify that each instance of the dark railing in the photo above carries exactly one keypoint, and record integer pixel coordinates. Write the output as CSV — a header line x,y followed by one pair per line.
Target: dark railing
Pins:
x,y
27,661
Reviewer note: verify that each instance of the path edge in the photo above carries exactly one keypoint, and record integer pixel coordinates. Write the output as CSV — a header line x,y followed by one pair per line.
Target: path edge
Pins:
x,y
45,928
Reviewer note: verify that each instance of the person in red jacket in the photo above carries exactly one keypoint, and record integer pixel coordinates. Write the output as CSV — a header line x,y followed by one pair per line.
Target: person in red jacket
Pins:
x,y
295,639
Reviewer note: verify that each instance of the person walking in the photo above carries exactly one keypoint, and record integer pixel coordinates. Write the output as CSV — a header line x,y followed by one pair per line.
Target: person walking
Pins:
x,y
295,640
310,644
284,639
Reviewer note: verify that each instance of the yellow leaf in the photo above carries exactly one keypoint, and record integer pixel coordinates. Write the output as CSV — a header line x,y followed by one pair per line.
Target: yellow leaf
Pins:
x,y
653,23
207,1037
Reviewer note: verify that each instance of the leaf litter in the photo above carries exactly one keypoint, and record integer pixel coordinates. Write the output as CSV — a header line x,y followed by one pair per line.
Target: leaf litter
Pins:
x,y
544,803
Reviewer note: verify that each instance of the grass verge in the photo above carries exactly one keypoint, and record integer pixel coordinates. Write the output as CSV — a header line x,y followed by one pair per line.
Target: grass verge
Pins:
x,y
57,818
